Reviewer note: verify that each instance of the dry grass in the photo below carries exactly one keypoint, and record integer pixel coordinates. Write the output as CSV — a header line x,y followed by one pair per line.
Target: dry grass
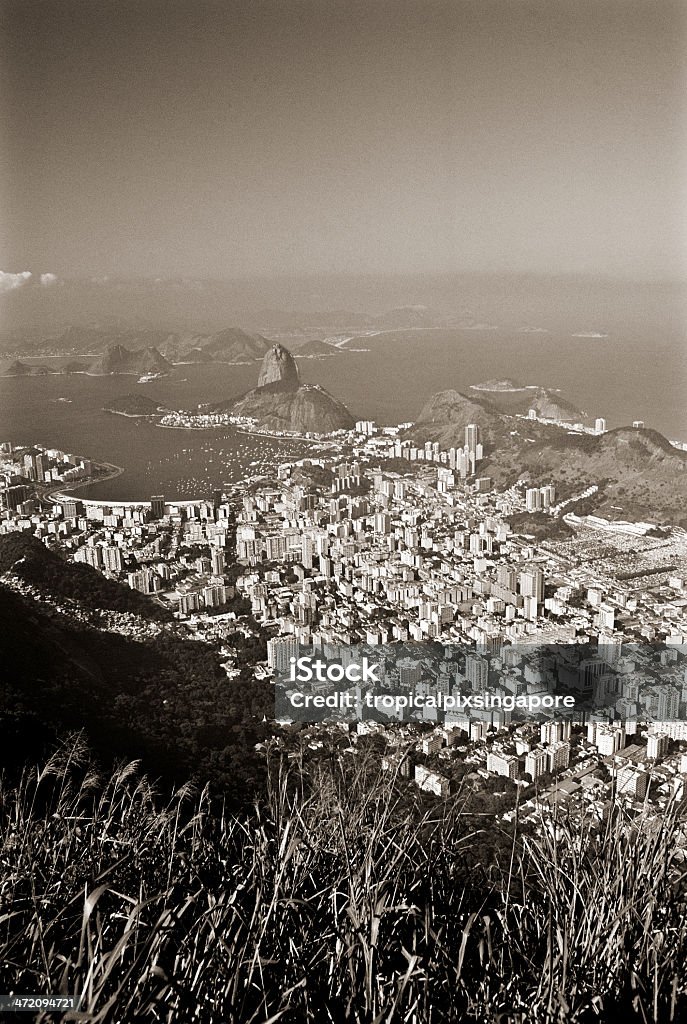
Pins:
x,y
333,903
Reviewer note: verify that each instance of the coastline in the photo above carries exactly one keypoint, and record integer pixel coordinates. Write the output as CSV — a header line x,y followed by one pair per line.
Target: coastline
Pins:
x,y
132,415
249,433
112,472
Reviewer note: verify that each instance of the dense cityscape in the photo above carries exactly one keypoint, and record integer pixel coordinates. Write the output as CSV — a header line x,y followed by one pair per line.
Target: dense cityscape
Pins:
x,y
377,541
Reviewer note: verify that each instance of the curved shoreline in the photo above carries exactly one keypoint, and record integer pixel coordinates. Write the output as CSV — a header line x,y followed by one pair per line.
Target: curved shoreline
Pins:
x,y
112,473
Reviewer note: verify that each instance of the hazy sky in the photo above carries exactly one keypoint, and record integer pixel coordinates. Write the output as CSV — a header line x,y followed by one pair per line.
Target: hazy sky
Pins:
x,y
295,136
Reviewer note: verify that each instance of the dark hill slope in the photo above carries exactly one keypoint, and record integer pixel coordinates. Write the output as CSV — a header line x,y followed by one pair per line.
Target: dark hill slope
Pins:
x,y
46,570
164,700
133,404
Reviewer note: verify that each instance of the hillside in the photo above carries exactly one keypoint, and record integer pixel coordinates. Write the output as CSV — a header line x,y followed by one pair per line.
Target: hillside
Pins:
x,y
85,339
446,414
133,404
309,409
638,471
20,369
118,359
340,893
515,399
231,345
316,350
161,698
25,557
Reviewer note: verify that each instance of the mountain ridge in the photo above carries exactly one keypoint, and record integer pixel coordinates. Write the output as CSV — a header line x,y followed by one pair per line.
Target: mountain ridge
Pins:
x,y
118,359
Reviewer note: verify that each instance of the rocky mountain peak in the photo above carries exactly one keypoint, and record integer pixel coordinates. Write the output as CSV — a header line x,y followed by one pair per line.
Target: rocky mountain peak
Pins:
x,y
278,367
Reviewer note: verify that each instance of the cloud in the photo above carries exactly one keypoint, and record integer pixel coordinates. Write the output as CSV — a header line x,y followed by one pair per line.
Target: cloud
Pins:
x,y
48,279
8,282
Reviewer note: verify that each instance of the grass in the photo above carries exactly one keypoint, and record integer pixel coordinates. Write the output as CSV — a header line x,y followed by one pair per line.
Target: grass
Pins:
x,y
333,902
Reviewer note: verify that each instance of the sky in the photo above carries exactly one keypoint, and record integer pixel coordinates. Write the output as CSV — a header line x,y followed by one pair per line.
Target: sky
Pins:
x,y
275,137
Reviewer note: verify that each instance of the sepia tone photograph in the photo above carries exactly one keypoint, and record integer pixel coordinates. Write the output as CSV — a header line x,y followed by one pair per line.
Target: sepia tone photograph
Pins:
x,y
343,511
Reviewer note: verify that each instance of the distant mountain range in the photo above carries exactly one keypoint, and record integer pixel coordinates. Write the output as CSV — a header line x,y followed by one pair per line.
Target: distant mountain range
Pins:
x,y
230,346
316,349
115,359
21,369
114,347
118,359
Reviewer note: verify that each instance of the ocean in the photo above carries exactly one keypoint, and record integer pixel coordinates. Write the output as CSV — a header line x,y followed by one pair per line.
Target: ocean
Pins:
x,y
624,376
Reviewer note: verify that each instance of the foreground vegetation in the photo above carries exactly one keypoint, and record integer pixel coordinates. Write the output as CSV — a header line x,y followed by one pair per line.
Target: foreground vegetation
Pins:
x,y
334,901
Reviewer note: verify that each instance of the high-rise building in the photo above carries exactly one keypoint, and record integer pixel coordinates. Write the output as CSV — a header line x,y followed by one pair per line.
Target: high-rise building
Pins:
x,y
307,552
472,438
476,671
275,547
532,583
42,463
631,782
71,508
91,555
503,764
554,731
280,650
548,495
536,763
558,755
326,566
217,560
507,577
533,499
215,596
409,672
657,745
431,782
609,739
382,523
112,558
189,603
599,425
667,703
157,506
